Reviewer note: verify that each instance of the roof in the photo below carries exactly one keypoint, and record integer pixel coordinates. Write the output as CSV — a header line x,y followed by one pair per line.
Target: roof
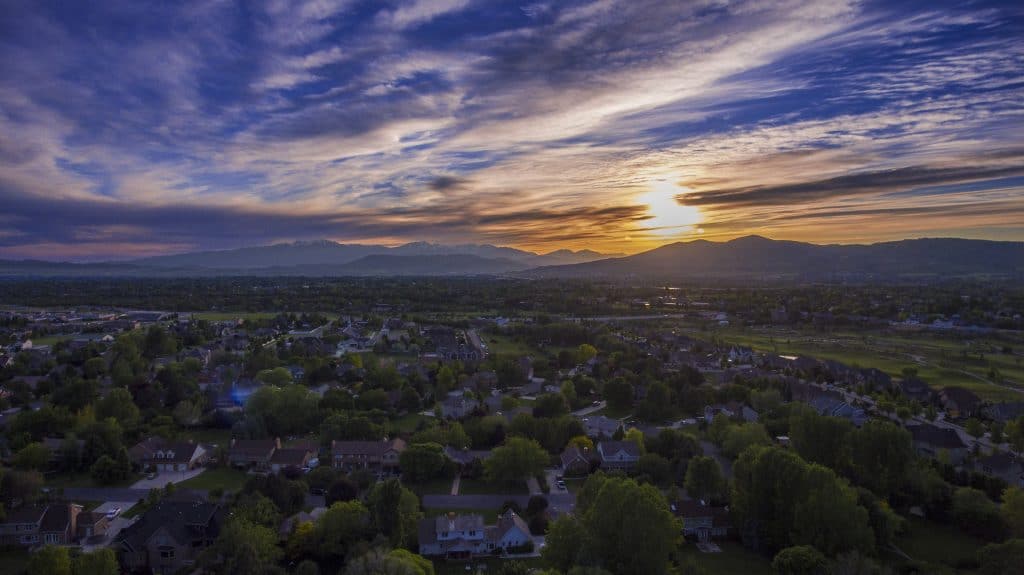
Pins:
x,y
369,448
612,447
177,517
998,461
506,522
466,456
28,514
253,447
57,518
470,522
572,455
290,456
964,398
166,451
937,436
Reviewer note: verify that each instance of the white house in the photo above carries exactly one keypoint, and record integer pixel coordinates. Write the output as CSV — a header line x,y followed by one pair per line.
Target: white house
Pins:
x,y
461,536
618,454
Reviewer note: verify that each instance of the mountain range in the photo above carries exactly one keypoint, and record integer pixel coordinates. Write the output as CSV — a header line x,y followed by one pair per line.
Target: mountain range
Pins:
x,y
750,258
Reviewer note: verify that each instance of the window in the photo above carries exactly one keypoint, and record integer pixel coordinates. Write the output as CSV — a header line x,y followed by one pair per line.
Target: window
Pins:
x,y
167,552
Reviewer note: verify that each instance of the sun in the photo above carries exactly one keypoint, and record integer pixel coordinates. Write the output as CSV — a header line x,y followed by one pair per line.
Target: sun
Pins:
x,y
668,216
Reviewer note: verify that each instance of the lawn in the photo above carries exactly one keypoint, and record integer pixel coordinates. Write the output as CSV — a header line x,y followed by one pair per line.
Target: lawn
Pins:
x,y
13,561
491,565
734,559
937,543
435,486
84,479
490,515
50,339
410,423
482,487
224,477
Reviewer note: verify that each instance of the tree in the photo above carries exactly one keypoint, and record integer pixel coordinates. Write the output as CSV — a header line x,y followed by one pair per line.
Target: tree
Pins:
x,y
517,459
583,443
551,405
1002,558
422,462
102,561
880,455
740,437
631,527
977,514
704,479
619,394
655,469
342,489
187,414
51,560
395,511
339,528
395,562
1013,510
243,547
32,457
974,428
637,437
718,428
107,470
119,405
821,439
799,560
307,567
585,352
564,542
279,376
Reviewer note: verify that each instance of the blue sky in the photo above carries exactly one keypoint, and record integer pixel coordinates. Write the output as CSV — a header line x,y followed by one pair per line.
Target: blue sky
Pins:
x,y
132,128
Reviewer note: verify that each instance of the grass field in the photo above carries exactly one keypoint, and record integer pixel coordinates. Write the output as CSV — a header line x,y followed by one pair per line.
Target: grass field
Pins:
x,y
233,315
223,477
940,359
410,423
13,561
439,486
84,479
50,339
936,543
734,559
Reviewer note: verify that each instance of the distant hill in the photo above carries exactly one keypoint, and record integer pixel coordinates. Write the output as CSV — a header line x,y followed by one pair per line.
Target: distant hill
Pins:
x,y
754,257
748,258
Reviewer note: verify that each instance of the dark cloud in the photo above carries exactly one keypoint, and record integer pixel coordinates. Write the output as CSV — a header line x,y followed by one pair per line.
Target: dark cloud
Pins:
x,y
449,183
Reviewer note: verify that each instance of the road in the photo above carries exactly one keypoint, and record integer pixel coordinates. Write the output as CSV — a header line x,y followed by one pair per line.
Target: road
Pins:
x,y
563,501
590,409
164,477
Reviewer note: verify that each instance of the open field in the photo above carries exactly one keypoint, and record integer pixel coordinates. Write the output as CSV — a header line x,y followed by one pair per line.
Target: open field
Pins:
x,y
940,359
734,558
482,487
936,543
84,479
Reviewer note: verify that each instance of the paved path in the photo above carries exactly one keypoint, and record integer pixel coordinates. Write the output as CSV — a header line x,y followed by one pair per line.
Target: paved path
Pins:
x,y
534,486
455,484
591,409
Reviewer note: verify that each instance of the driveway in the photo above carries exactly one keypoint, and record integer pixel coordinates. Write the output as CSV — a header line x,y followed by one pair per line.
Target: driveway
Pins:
x,y
115,526
590,409
164,477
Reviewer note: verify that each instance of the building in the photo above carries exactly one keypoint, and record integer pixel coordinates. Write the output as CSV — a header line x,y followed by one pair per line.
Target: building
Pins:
x,y
600,426
164,455
462,536
703,522
378,455
291,457
960,402
932,441
32,525
618,454
1002,465
169,536
92,524
255,453
574,461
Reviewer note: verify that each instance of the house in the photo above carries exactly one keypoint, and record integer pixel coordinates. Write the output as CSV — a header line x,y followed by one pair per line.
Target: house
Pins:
x,y
380,455
618,454
600,426
1005,411
165,455
458,406
831,406
169,536
463,536
703,522
932,441
92,524
255,453
1002,465
464,457
290,457
40,525
574,461
917,390
960,402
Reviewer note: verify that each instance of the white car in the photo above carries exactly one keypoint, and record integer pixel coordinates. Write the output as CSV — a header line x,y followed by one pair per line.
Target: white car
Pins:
x,y
113,512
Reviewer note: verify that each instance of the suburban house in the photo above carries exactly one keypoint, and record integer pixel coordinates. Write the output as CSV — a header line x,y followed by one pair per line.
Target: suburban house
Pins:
x,y
732,409
618,454
169,536
462,536
457,406
165,455
291,457
600,426
1006,411
917,390
464,457
703,522
40,525
1002,465
960,402
831,406
379,455
931,441
574,461
92,524
255,453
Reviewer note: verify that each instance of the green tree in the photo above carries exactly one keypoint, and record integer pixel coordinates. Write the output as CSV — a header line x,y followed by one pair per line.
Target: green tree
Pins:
x,y
99,562
32,457
974,512
51,560
799,560
655,469
119,405
631,527
1013,510
821,439
881,453
243,547
1002,558
395,562
585,352
974,428
740,437
279,376
551,405
564,542
395,511
619,394
422,462
516,460
704,479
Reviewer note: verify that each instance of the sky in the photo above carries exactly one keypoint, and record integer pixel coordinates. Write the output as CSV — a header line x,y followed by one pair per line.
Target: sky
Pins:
x,y
131,128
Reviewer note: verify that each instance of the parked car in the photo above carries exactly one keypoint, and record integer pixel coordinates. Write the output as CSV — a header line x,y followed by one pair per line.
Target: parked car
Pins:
x,y
151,475
113,512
